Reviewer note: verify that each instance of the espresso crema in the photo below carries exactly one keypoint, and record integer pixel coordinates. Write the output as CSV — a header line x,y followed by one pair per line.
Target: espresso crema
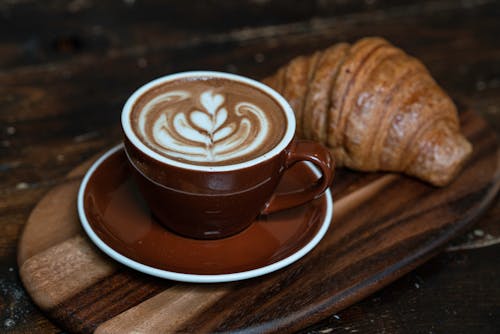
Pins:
x,y
208,121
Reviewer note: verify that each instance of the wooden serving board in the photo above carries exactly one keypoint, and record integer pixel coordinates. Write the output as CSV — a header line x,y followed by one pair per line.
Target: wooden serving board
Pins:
x,y
384,226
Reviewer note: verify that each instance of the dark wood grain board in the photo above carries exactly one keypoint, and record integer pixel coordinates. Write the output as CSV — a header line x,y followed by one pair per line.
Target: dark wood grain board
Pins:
x,y
384,226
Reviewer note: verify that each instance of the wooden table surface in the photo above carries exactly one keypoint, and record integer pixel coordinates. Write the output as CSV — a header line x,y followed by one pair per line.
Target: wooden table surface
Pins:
x,y
66,68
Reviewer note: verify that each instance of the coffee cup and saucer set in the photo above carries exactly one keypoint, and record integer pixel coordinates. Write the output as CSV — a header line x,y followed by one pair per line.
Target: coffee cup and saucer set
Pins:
x,y
209,184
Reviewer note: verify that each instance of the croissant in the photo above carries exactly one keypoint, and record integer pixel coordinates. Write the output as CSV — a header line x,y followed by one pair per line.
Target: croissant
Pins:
x,y
376,108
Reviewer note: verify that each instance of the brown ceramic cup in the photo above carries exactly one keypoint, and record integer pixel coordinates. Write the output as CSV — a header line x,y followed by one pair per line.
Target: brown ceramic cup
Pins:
x,y
211,202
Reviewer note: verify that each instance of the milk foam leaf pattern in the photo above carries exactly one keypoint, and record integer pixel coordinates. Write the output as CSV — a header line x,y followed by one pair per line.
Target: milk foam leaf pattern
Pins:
x,y
214,131
211,119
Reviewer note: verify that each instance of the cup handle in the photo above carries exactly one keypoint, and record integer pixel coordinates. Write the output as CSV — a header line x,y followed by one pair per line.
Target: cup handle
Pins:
x,y
304,150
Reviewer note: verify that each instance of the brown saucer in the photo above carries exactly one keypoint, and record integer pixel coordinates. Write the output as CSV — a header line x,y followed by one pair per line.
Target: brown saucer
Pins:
x,y
117,220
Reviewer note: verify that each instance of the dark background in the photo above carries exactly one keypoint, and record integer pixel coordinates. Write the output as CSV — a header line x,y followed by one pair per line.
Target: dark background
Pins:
x,y
66,67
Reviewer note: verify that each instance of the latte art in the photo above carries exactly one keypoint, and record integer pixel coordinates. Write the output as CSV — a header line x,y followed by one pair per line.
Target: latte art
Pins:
x,y
207,125
205,134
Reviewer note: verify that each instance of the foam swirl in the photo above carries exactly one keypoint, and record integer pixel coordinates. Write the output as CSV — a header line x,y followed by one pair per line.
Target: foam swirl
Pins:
x,y
212,132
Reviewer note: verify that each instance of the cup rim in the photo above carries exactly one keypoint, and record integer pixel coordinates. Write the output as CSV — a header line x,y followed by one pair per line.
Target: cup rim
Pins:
x,y
138,144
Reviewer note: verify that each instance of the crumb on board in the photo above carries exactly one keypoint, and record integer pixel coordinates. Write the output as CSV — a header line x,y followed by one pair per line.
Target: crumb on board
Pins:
x,y
259,57
142,62
10,130
22,186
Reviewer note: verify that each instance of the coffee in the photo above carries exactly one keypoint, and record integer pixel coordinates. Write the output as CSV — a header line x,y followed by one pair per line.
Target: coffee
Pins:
x,y
208,149
208,121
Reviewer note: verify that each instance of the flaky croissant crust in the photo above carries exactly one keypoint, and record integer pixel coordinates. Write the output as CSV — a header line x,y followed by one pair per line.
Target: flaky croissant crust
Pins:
x,y
376,108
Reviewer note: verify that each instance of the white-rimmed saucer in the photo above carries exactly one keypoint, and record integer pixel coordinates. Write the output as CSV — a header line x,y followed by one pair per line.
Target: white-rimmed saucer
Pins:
x,y
115,218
